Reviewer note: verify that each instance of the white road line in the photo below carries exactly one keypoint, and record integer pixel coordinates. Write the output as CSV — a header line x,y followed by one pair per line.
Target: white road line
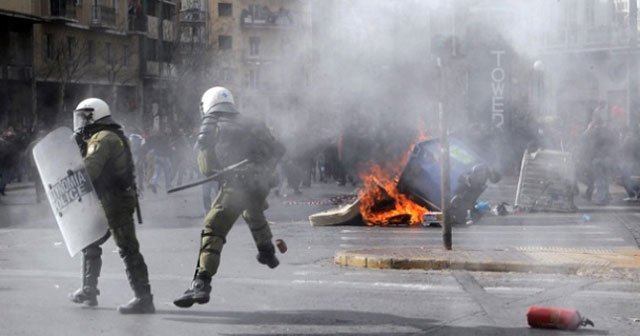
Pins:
x,y
502,228
545,239
520,232
380,285
374,286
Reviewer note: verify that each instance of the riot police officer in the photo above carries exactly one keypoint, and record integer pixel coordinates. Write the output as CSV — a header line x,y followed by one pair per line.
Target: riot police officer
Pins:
x,y
226,138
109,163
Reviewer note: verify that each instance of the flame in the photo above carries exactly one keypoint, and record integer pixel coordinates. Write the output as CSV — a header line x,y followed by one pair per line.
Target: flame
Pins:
x,y
380,201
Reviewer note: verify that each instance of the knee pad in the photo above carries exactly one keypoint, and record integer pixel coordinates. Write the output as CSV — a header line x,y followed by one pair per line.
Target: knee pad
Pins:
x,y
92,252
211,243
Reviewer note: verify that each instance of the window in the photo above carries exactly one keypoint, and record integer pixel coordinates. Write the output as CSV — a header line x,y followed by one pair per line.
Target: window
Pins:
x,y
108,53
167,51
91,52
71,48
152,54
125,55
48,46
254,46
151,7
17,48
167,11
225,9
589,12
254,78
225,42
227,74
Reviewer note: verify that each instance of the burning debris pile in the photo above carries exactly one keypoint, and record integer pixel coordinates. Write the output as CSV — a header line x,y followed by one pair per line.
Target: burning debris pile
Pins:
x,y
408,191
380,201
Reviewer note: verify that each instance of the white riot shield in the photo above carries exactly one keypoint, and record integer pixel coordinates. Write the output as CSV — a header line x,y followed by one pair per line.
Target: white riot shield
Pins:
x,y
71,195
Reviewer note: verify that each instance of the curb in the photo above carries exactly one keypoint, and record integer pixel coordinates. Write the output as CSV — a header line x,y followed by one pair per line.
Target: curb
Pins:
x,y
620,261
19,186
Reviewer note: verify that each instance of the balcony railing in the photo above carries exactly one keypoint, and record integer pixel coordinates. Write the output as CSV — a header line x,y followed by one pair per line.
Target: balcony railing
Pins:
x,y
137,23
65,9
266,19
193,16
588,37
103,16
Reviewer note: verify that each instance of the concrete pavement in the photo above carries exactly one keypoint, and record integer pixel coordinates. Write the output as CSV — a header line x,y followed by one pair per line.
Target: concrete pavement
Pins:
x,y
597,240
526,251
307,294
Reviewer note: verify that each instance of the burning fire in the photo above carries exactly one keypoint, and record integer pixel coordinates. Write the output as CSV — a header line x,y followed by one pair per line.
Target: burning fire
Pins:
x,y
380,201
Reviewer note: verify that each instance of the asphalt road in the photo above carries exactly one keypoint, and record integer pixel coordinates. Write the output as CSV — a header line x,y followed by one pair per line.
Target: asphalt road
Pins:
x,y
307,294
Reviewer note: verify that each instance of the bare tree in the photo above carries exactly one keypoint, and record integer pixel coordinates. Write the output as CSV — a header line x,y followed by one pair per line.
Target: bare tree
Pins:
x,y
116,70
65,61
196,62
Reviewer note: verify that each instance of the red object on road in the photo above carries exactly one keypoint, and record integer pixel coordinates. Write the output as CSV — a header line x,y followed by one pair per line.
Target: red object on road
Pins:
x,y
556,318
282,246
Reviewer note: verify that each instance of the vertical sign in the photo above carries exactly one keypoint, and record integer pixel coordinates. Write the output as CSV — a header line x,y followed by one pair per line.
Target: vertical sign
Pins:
x,y
498,84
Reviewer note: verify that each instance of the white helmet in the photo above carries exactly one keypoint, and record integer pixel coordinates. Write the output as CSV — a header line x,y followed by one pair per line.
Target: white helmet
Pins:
x,y
88,112
217,99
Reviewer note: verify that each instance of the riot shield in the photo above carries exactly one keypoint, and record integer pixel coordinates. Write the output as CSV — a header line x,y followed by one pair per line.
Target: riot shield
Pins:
x,y
73,199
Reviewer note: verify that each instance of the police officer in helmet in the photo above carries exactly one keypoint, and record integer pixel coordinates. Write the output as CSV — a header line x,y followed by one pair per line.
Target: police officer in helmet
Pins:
x,y
226,138
109,163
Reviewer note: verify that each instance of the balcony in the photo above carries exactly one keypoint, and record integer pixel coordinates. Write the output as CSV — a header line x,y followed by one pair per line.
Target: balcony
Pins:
x,y
255,57
19,72
193,16
262,17
594,37
103,16
64,10
137,23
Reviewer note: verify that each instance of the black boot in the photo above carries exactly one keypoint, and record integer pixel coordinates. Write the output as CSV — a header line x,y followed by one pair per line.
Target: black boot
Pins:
x,y
267,256
85,295
140,304
197,293
138,277
88,293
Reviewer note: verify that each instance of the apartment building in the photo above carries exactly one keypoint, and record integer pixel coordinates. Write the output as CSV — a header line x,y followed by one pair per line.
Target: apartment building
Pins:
x,y
82,49
57,52
17,19
154,21
193,59
262,53
585,60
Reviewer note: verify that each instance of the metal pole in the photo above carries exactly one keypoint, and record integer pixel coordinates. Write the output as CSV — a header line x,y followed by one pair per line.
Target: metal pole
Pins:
x,y
445,183
633,63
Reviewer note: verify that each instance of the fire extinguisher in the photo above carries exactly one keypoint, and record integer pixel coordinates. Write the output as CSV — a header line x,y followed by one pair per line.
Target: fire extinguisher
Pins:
x,y
556,318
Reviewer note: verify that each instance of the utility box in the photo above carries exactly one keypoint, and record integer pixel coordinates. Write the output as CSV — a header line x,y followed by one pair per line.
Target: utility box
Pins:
x,y
546,183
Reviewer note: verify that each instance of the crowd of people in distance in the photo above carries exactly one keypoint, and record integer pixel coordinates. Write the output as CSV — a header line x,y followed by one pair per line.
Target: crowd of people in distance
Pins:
x,y
605,150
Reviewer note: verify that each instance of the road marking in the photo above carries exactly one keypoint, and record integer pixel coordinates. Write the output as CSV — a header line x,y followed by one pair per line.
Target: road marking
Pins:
x,y
490,304
478,232
379,285
547,239
502,228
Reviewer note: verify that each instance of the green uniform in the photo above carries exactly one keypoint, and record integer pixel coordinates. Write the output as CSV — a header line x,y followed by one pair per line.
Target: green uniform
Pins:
x,y
223,141
109,164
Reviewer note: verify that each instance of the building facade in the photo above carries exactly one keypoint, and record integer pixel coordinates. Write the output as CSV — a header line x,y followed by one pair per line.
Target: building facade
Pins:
x,y
261,52
586,60
83,49
57,52
17,20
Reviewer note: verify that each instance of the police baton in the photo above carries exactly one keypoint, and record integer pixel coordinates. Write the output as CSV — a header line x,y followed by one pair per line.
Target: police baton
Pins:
x,y
210,178
138,213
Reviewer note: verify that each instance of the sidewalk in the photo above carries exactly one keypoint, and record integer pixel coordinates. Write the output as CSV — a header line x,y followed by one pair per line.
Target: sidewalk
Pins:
x,y
597,262
510,257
